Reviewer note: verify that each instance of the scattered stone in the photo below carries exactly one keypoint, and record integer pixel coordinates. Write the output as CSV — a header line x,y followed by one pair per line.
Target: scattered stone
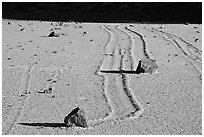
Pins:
x,y
49,90
146,65
76,117
60,23
22,29
196,39
49,79
54,81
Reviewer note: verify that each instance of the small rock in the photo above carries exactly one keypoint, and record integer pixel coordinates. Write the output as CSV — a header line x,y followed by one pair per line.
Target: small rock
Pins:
x,y
76,117
53,34
60,23
196,40
22,29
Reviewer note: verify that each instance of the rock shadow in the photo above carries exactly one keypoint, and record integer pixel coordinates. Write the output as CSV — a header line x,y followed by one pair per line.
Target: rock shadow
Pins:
x,y
44,124
119,71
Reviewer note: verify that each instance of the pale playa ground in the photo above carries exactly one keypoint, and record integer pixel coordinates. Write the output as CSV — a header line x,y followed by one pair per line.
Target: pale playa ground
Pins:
x,y
166,102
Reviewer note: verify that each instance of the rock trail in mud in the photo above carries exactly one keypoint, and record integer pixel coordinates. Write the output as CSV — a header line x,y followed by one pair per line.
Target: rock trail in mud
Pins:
x,y
23,95
190,52
146,54
146,63
123,102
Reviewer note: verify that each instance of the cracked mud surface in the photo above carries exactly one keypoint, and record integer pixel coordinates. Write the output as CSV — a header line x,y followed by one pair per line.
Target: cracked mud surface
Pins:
x,y
93,66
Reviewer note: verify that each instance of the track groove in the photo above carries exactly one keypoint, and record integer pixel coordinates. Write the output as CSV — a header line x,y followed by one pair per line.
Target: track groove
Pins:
x,y
143,41
129,49
185,41
191,58
23,90
110,52
123,103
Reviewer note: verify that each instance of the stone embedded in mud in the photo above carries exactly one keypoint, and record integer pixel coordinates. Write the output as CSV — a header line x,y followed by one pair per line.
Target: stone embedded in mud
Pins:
x,y
76,117
146,65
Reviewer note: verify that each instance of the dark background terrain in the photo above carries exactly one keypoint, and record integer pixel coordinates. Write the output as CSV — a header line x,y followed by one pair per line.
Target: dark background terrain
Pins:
x,y
109,12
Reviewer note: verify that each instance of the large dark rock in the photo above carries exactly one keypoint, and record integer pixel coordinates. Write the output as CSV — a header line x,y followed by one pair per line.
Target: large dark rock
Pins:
x,y
146,65
76,117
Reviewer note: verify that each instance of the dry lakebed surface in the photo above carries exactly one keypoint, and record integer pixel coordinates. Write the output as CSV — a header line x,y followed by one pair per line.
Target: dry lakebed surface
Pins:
x,y
50,68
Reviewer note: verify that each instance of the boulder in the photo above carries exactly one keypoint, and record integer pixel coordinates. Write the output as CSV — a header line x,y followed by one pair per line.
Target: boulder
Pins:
x,y
146,65
76,117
